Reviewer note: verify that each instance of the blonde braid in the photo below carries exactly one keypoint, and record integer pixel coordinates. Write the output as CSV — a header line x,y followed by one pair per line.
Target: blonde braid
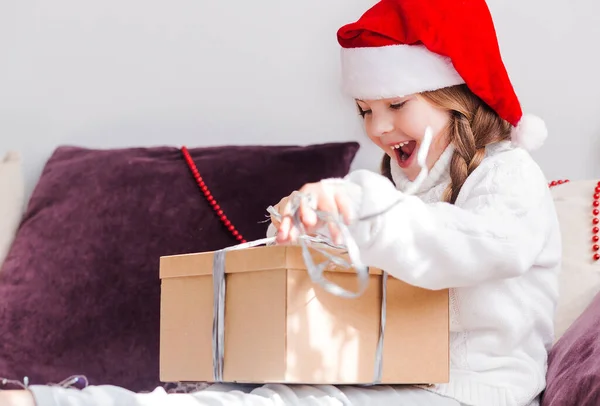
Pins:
x,y
467,153
473,126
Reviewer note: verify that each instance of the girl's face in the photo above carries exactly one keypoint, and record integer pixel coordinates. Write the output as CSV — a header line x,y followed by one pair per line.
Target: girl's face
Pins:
x,y
398,125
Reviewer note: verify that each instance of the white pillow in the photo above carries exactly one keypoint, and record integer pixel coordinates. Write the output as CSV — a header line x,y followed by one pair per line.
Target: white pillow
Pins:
x,y
12,195
580,274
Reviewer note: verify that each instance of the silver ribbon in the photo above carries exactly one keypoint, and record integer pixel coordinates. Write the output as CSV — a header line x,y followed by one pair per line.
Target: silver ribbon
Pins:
x,y
315,271
218,329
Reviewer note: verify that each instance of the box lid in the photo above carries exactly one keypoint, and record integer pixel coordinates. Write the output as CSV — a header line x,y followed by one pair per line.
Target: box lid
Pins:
x,y
245,260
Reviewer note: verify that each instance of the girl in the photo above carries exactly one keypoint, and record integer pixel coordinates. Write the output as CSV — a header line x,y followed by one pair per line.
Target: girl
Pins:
x,y
481,224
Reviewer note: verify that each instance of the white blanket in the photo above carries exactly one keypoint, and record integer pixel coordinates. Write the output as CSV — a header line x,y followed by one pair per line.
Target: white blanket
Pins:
x,y
233,395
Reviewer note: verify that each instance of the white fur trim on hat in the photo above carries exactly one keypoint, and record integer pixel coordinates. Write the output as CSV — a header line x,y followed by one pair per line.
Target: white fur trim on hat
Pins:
x,y
530,133
395,71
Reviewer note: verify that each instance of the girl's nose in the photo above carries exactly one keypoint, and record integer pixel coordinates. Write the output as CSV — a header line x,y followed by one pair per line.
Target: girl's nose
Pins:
x,y
382,124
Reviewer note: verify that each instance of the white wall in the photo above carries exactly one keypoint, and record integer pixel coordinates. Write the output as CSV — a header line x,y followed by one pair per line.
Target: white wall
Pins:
x,y
117,73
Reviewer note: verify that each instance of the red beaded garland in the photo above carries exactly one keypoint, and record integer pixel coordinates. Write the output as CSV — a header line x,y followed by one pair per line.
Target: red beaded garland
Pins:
x,y
595,219
209,197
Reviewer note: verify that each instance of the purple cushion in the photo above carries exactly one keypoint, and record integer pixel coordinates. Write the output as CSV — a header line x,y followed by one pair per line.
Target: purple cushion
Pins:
x,y
573,376
80,290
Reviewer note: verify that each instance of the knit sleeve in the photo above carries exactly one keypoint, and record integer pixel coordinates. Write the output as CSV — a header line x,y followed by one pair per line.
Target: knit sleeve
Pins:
x,y
496,230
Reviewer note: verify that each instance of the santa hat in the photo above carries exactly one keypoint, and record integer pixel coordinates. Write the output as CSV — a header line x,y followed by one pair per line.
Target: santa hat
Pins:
x,y
402,47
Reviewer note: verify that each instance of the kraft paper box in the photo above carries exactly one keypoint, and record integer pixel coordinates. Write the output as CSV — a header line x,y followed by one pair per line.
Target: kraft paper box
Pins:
x,y
281,327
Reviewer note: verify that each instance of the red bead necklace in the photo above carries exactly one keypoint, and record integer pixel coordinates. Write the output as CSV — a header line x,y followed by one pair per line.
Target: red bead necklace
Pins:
x,y
209,197
595,219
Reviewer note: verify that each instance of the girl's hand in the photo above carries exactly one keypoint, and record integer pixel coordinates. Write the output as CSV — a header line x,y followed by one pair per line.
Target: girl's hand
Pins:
x,y
325,197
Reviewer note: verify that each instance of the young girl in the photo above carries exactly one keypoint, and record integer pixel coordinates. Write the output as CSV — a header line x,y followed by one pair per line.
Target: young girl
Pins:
x,y
482,223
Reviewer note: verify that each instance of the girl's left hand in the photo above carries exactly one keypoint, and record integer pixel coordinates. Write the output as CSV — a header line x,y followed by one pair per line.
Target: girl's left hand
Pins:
x,y
325,197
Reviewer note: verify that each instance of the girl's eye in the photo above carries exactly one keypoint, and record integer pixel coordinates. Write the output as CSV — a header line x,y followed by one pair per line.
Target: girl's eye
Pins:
x,y
362,112
397,106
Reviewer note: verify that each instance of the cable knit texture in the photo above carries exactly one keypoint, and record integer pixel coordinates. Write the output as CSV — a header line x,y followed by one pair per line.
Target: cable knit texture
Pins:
x,y
497,249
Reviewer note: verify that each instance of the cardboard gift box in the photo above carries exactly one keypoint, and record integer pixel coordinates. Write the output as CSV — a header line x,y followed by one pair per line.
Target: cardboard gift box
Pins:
x,y
279,326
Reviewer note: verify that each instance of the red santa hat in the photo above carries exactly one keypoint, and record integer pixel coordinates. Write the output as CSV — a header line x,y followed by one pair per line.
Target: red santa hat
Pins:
x,y
402,47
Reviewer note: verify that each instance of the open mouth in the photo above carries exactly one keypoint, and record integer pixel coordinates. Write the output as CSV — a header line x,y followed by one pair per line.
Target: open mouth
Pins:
x,y
404,151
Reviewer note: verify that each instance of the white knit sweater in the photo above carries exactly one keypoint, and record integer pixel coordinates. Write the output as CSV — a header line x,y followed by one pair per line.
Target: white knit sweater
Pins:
x,y
498,249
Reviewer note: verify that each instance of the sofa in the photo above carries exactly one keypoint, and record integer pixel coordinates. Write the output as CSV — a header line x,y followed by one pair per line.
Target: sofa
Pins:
x,y
79,281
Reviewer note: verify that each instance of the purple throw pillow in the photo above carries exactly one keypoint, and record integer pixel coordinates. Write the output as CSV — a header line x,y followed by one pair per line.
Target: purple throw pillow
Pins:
x,y
80,289
573,376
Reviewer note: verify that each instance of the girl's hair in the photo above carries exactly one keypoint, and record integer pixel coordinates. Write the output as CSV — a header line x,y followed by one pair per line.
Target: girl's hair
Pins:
x,y
473,125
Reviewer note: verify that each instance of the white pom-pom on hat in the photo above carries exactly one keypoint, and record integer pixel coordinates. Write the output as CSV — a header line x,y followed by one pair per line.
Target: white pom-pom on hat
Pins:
x,y
531,132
